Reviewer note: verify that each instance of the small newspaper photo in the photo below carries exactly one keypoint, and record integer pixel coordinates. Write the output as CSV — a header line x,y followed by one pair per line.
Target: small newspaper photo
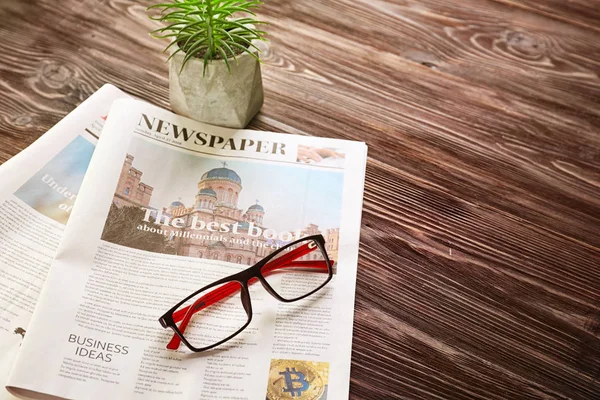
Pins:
x,y
168,209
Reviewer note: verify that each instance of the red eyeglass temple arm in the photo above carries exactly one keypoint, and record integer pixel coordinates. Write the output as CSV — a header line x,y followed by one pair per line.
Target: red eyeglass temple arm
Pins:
x,y
286,261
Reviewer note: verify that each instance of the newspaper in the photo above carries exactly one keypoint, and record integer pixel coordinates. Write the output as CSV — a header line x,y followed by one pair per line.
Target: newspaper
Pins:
x,y
38,188
167,206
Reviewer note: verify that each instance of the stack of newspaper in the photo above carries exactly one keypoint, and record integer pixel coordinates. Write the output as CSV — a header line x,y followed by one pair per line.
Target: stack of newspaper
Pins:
x,y
93,252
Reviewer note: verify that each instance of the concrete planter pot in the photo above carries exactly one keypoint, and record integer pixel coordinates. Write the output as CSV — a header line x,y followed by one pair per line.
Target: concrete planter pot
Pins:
x,y
219,97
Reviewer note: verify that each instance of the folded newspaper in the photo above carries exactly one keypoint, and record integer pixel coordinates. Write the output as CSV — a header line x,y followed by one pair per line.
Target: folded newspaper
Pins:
x,y
33,215
167,206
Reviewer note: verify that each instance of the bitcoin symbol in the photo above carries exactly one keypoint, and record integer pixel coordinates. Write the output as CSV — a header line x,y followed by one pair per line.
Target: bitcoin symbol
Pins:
x,y
294,380
289,382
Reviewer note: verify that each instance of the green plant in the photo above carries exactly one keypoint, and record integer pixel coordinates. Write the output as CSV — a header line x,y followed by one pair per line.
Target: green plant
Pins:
x,y
207,29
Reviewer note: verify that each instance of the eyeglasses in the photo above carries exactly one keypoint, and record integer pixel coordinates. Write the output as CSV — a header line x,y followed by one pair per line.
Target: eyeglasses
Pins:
x,y
219,311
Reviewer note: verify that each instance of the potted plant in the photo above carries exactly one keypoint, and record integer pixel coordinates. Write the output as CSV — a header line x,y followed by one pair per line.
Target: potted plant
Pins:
x,y
214,65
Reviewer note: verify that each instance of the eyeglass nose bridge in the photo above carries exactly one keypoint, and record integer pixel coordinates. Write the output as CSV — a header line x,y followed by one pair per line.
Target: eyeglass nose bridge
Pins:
x,y
268,288
246,300
247,281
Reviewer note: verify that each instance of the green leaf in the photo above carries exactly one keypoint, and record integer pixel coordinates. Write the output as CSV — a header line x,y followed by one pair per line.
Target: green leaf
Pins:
x,y
195,36
245,50
224,44
205,63
224,58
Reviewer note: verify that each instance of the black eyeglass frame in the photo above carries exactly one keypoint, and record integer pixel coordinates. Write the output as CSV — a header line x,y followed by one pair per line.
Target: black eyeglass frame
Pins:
x,y
243,277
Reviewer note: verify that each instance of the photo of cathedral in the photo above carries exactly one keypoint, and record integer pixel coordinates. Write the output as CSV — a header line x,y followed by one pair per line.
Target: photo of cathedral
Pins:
x,y
216,200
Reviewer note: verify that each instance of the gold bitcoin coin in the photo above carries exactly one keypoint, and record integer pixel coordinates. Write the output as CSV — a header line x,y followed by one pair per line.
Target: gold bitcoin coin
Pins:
x,y
298,380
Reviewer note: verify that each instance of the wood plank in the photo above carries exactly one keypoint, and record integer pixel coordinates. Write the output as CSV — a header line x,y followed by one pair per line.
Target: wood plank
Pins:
x,y
577,12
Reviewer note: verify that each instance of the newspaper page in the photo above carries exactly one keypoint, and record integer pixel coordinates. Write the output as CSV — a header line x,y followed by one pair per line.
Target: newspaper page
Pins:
x,y
168,206
38,188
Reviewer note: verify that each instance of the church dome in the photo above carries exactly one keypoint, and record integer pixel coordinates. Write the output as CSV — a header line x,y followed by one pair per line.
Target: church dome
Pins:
x,y
256,207
207,192
177,204
222,173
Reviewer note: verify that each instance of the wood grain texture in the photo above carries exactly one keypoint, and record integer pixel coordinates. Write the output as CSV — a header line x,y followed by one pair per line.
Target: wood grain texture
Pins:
x,y
479,273
578,12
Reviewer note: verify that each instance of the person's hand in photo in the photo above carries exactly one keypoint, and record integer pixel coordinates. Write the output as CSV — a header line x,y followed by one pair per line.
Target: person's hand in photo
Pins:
x,y
306,154
326,153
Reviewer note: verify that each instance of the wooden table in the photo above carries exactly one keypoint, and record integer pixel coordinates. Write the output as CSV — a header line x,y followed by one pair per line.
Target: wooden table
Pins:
x,y
479,272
